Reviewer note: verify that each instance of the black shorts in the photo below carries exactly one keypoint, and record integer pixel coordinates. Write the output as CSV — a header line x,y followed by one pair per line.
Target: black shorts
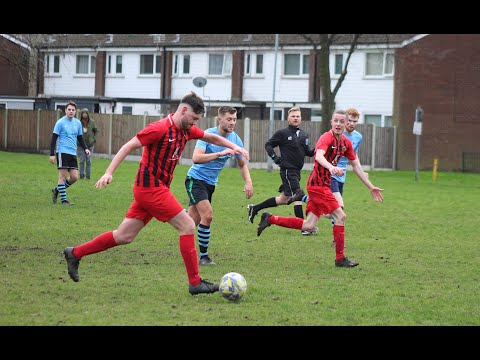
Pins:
x,y
66,161
336,186
198,190
290,181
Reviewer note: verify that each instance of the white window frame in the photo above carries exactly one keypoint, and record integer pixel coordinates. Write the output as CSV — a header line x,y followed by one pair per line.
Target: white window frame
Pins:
x,y
178,67
112,61
91,65
280,111
301,72
384,72
156,59
382,119
127,106
226,64
251,64
50,64
335,63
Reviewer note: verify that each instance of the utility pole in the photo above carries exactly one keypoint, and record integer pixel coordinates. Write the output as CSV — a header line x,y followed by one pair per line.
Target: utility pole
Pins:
x,y
417,130
271,123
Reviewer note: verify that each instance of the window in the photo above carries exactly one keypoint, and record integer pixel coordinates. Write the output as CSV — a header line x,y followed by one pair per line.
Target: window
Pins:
x,y
379,120
338,64
278,114
316,115
220,64
3,106
115,64
296,64
86,64
379,64
254,61
127,110
387,121
259,64
186,64
150,62
52,64
181,64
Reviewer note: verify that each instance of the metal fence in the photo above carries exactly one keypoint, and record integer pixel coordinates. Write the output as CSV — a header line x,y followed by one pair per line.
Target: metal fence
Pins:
x,y
31,131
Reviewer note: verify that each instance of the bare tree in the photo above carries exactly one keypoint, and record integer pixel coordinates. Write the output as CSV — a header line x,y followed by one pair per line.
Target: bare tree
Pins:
x,y
321,50
24,58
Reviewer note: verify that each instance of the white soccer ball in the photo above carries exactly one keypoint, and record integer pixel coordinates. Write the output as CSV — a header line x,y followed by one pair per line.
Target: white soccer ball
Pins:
x,y
233,286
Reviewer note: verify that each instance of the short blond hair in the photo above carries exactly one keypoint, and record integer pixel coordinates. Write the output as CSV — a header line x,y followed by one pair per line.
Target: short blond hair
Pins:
x,y
296,108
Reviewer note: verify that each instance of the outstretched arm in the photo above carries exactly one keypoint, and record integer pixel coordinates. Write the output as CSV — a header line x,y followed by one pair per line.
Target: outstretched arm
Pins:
x,y
126,149
219,140
248,189
357,169
320,158
200,157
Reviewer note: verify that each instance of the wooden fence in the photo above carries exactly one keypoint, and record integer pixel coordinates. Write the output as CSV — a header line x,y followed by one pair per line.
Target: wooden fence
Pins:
x,y
31,131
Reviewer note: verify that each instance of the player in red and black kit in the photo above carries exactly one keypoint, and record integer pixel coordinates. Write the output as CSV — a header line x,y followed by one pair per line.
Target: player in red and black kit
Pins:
x,y
163,142
330,148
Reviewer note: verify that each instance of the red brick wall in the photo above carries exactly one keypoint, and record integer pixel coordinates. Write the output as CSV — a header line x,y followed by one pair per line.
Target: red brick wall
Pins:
x,y
11,82
100,70
440,73
237,75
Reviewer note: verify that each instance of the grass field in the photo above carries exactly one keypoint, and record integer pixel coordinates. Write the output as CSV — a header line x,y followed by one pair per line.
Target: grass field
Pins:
x,y
419,254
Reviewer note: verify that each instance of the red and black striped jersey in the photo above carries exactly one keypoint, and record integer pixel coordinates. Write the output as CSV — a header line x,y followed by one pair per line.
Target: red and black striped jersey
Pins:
x,y
334,150
163,143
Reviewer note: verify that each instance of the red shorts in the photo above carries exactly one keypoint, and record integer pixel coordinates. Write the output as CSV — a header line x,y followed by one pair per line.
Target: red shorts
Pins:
x,y
156,202
320,200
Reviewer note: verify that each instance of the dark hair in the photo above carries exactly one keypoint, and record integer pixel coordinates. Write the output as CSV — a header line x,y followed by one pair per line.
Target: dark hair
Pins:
x,y
71,103
195,102
222,110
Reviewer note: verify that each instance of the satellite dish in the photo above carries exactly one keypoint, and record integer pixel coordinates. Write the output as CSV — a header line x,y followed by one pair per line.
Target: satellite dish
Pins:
x,y
199,82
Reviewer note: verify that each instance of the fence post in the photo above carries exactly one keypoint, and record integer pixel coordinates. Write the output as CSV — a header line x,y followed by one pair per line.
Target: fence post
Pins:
x,y
394,150
38,130
374,132
5,131
110,121
246,134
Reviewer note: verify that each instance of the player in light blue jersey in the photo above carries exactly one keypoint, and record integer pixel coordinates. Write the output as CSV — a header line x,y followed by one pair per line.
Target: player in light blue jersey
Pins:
x,y
356,138
202,177
63,147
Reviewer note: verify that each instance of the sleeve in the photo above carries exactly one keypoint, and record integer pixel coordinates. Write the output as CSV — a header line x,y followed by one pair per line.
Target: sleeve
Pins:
x,y
81,142
53,143
273,143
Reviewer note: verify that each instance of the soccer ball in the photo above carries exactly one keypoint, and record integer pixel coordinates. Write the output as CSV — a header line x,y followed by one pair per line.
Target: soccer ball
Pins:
x,y
233,286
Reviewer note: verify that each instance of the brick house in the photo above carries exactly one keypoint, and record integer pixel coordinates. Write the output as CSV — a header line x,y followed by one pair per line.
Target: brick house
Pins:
x,y
440,73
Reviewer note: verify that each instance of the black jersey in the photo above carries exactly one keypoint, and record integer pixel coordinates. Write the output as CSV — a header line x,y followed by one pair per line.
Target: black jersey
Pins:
x,y
294,146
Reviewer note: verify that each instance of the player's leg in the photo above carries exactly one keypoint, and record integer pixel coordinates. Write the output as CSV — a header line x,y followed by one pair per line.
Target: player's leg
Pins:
x,y
200,210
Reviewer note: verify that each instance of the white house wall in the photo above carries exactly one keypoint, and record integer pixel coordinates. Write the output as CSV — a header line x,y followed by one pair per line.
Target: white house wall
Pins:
x,y
68,83
287,89
369,96
131,84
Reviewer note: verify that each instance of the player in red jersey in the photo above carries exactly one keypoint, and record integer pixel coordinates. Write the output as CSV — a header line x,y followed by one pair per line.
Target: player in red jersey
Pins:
x,y
163,142
330,148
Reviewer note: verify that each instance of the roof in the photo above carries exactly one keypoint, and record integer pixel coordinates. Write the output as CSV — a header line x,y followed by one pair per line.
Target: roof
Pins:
x,y
201,40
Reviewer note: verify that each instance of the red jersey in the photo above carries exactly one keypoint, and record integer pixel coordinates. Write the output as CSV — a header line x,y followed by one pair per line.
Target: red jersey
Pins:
x,y
334,150
163,143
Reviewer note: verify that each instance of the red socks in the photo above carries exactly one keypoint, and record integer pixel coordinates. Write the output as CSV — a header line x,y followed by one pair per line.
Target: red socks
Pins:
x,y
288,222
189,254
339,237
100,243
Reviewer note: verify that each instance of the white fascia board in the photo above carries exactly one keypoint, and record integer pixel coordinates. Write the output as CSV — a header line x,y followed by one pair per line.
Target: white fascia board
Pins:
x,y
16,41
